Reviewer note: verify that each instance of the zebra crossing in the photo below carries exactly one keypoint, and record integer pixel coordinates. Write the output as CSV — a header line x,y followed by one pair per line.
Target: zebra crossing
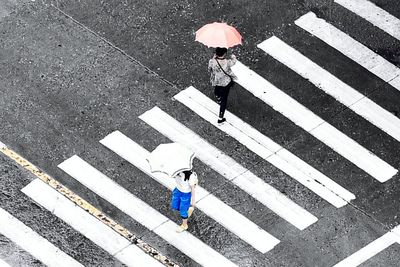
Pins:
x,y
312,123
142,212
374,14
276,155
371,249
331,85
86,224
348,46
233,172
228,168
207,202
37,246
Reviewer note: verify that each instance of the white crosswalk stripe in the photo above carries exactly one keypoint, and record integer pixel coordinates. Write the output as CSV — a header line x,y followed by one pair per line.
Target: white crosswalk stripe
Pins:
x,y
4,264
33,243
371,249
344,44
324,80
142,212
313,124
227,167
374,14
87,225
208,203
396,231
368,251
266,148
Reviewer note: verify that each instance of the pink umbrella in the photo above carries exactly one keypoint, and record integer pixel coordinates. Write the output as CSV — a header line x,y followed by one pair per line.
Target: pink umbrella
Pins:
x,y
218,34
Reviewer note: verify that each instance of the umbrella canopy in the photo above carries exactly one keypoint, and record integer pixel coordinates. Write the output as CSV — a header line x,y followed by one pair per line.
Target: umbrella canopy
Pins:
x,y
218,34
171,159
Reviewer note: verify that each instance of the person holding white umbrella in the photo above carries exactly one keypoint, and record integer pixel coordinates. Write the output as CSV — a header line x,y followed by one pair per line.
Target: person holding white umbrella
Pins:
x,y
184,196
176,161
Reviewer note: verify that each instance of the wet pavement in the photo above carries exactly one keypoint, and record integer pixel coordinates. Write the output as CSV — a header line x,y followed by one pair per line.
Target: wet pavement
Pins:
x,y
74,71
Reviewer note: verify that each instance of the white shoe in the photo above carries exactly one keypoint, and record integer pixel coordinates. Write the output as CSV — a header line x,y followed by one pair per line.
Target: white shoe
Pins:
x,y
181,228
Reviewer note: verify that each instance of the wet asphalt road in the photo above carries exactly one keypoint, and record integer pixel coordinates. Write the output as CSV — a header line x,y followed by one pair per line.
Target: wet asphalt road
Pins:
x,y
74,71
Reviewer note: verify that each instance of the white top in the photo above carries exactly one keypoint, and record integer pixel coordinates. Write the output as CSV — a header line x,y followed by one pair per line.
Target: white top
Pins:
x,y
185,186
219,77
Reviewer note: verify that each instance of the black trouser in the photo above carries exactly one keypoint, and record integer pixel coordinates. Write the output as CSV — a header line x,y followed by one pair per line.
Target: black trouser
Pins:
x,y
221,93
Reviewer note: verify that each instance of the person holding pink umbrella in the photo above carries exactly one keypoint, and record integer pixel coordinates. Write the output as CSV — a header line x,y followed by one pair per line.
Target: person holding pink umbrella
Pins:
x,y
222,78
221,36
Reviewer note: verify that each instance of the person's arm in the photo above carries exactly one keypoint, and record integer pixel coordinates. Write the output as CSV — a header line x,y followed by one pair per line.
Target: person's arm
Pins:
x,y
210,67
193,180
232,61
193,200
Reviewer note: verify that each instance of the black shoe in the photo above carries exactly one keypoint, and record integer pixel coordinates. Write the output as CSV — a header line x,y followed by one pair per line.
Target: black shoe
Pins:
x,y
221,120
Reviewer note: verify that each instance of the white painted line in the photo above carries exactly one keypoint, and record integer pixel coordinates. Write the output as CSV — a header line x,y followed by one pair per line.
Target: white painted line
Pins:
x,y
230,169
33,243
395,82
5,264
347,46
396,232
378,116
313,124
142,212
331,85
208,203
368,251
87,225
2,145
266,148
374,14
132,255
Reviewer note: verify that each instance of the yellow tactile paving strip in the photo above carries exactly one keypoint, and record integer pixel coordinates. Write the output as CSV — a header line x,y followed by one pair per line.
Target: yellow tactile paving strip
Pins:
x,y
87,206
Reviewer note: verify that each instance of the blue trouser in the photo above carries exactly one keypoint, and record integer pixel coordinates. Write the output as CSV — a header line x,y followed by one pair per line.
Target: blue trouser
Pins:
x,y
181,202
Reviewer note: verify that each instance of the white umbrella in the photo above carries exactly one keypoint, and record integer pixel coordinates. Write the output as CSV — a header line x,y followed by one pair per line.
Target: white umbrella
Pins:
x,y
171,159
